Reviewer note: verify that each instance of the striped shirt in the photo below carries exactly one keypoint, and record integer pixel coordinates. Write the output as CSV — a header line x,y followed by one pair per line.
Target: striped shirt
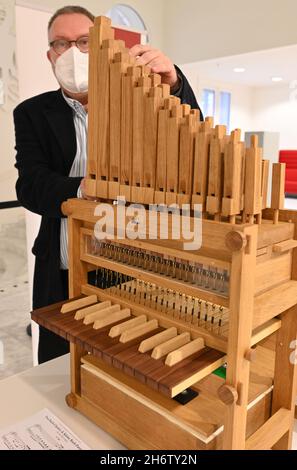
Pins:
x,y
79,166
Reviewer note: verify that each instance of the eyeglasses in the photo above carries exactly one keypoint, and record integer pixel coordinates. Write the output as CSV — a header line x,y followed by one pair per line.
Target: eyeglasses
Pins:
x,y
62,45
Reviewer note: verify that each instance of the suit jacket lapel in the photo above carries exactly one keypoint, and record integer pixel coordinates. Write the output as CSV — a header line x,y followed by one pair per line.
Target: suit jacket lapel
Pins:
x,y
60,118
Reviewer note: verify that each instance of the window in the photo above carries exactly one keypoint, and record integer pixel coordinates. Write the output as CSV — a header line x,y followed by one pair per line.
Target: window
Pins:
x,y
225,108
208,102
217,104
124,15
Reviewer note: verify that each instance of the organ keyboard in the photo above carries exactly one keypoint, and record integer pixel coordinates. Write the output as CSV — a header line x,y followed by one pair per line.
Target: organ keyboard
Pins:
x,y
159,357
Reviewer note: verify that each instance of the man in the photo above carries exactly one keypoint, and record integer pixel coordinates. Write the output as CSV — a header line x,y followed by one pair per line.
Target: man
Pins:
x,y
51,136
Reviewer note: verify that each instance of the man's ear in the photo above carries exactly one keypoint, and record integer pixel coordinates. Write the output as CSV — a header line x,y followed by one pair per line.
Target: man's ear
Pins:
x,y
48,56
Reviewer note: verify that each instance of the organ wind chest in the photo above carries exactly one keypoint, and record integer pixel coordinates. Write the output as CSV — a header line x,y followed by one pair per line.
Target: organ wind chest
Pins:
x,y
176,346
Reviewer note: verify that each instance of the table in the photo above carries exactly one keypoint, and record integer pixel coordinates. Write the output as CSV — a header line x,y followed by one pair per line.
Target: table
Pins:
x,y
46,386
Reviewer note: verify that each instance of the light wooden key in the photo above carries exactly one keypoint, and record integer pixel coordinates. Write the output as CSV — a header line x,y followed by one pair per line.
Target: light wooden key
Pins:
x,y
80,303
156,340
113,318
81,314
138,331
171,345
117,330
92,317
185,351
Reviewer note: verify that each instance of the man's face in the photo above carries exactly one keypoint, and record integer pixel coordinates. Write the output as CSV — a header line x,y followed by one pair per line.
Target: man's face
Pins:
x,y
70,27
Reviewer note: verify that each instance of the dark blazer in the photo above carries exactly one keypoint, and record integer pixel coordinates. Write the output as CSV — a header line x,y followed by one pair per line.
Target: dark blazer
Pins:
x,y
46,148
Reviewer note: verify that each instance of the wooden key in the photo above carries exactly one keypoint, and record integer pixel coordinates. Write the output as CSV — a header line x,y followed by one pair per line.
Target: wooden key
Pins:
x,y
138,331
113,318
185,351
92,317
171,345
81,314
128,325
80,303
156,340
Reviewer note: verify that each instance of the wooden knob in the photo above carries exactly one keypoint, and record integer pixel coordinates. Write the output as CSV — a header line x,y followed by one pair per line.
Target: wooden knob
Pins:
x,y
251,355
228,394
66,208
235,241
71,400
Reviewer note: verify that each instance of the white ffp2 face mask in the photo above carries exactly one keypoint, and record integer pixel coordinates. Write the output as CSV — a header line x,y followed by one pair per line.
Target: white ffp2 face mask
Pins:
x,y
72,70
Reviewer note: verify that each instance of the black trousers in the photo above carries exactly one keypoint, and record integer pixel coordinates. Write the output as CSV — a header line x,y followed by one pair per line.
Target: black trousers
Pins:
x,y
50,345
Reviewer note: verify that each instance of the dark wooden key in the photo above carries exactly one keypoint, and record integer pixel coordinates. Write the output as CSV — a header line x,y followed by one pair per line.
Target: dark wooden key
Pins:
x,y
111,352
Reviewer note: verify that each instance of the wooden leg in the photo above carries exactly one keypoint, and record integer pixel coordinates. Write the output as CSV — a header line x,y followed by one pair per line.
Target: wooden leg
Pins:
x,y
285,381
76,353
239,339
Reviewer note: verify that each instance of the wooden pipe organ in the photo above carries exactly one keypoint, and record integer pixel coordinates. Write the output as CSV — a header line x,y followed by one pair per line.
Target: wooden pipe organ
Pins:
x,y
156,321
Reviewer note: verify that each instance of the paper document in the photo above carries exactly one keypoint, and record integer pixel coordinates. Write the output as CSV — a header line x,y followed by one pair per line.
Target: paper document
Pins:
x,y
43,431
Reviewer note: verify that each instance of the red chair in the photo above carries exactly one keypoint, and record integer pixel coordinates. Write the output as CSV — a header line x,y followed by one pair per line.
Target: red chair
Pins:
x,y
289,157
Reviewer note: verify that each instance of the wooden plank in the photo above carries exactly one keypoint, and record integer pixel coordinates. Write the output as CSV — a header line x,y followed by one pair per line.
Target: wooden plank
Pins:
x,y
173,154
129,80
111,319
201,165
152,103
105,57
253,180
184,352
273,272
284,246
186,159
233,164
274,302
143,86
80,303
100,313
278,189
156,340
268,434
216,166
81,314
161,162
265,180
265,331
119,329
287,216
170,345
239,338
285,379
117,68
138,331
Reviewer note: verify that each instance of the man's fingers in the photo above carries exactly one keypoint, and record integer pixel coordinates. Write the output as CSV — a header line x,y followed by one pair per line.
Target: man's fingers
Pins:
x,y
148,57
139,50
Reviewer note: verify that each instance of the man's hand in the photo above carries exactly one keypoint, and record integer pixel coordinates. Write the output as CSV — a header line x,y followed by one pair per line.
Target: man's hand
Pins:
x,y
158,63
82,190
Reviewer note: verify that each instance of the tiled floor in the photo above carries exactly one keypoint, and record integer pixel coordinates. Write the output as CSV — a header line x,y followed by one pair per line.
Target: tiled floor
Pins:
x,y
14,294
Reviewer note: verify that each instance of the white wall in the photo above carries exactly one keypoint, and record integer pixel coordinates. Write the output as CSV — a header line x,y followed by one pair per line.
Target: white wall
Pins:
x,y
200,29
274,109
268,109
152,12
241,101
9,77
